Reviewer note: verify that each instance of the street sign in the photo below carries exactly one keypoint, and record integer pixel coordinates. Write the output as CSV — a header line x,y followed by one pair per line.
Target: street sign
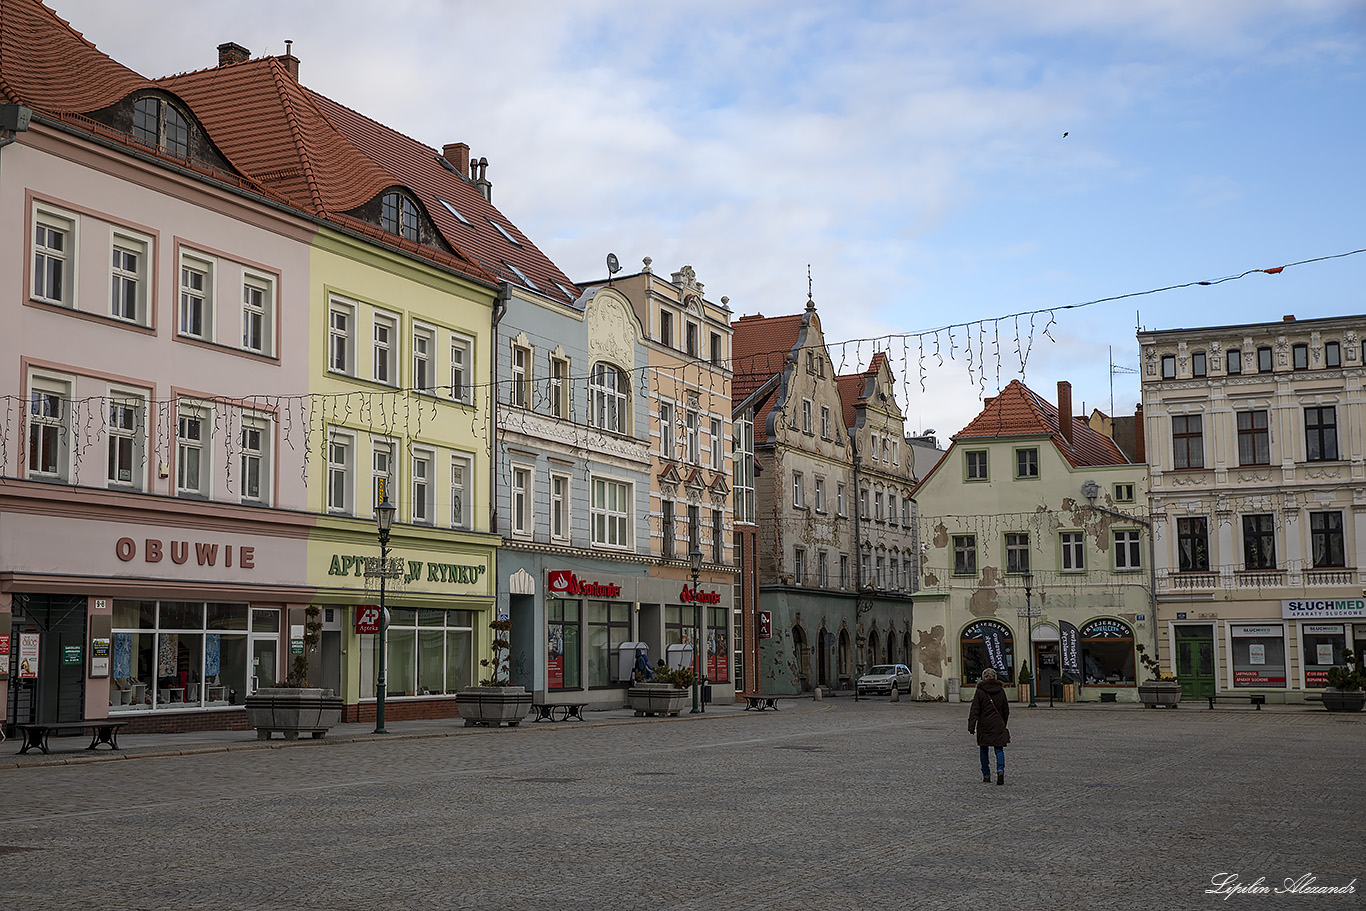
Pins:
x,y
367,619
765,624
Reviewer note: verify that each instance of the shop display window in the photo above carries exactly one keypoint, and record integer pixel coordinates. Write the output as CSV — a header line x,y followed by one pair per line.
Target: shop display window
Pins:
x,y
974,652
1323,645
562,616
430,653
1258,655
718,643
1107,653
608,625
180,654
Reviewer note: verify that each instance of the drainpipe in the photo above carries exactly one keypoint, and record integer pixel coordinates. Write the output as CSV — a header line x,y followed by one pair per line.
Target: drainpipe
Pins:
x,y
500,309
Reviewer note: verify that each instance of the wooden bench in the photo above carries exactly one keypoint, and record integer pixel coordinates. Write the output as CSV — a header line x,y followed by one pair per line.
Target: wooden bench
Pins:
x,y
558,711
102,730
1256,699
761,703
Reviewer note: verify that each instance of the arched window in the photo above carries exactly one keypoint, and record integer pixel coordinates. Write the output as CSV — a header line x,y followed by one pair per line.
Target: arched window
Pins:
x,y
843,656
803,655
158,123
874,646
1107,653
607,397
398,215
973,649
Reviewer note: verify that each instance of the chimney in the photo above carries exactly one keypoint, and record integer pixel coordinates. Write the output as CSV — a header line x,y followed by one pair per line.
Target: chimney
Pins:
x,y
1065,410
458,154
482,181
1288,318
231,52
289,61
1140,450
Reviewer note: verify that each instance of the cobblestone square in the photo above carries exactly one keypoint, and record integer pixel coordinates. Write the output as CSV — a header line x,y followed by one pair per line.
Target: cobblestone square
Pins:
x,y
822,805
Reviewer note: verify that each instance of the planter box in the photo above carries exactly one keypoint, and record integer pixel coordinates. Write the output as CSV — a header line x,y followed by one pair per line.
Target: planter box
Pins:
x,y
1069,692
1336,700
656,699
1158,692
293,711
493,706
1022,692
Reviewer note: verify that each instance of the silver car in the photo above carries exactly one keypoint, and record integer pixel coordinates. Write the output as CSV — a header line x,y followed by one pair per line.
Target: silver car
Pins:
x,y
882,677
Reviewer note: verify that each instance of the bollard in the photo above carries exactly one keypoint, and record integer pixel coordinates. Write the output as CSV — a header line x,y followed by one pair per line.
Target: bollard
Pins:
x,y
896,694
816,694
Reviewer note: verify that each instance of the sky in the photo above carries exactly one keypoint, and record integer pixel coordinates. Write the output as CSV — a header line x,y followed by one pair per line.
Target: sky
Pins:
x,y
933,164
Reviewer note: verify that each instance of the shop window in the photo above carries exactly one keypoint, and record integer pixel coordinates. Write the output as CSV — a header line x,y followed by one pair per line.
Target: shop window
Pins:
x,y
1321,434
185,654
1323,644
562,622
1107,653
1259,542
1188,446
1192,545
607,624
973,651
718,643
1254,438
1258,654
678,624
430,653
1325,538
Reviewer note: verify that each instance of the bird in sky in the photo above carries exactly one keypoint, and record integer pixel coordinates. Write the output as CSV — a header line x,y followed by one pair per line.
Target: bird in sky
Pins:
x,y
1064,135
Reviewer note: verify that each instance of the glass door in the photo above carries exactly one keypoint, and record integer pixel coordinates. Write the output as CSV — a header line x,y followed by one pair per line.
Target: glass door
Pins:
x,y
1195,665
1047,674
265,662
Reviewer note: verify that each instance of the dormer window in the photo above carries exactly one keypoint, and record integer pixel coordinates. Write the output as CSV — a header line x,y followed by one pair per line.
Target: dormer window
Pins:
x,y
398,215
158,123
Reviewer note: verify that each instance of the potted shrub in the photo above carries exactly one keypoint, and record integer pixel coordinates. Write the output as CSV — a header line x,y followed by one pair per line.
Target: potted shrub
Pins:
x,y
292,707
1160,689
495,701
1344,692
664,694
1024,682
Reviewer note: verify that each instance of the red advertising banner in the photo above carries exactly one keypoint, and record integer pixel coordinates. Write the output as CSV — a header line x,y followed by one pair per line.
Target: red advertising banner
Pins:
x,y
1256,678
1315,678
367,620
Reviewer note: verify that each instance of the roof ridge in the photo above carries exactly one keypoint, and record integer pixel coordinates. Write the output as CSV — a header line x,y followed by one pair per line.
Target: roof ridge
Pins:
x,y
279,76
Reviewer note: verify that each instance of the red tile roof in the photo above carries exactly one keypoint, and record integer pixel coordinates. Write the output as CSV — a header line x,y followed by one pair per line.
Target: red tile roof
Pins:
x,y
759,349
854,387
52,68
1019,411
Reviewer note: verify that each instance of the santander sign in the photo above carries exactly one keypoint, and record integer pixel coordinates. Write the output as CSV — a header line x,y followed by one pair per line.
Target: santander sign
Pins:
x,y
564,582
688,595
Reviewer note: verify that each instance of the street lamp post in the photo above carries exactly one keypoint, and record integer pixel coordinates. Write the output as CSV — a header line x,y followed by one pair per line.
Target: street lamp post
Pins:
x,y
695,559
384,518
1029,615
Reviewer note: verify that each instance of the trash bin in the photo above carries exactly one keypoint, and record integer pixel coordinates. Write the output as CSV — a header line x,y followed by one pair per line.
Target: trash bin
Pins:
x,y
1057,690
706,694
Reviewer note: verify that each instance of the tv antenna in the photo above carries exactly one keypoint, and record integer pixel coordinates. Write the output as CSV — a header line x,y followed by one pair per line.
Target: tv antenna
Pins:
x,y
1116,368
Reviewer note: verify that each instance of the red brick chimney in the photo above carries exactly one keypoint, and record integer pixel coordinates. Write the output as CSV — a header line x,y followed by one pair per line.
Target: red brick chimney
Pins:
x,y
230,52
458,154
1065,410
1140,449
289,61
1288,318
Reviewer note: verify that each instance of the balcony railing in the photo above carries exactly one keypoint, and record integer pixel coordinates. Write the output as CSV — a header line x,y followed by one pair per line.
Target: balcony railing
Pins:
x,y
1190,581
1260,578
1329,576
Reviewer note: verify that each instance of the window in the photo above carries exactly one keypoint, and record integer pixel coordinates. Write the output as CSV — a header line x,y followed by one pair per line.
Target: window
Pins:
x,y
191,442
255,459
694,528
1168,366
423,508
718,537
1254,439
607,388
382,473
125,438
965,555
667,444
691,339
844,570
717,457
559,385
976,462
1259,542
257,315
820,494
521,501
880,580
798,496
339,449
668,527
1192,545
799,565
521,368
1325,539
906,511
507,236
1332,354
559,507
1264,364
1127,554
839,499
877,506
1258,654
872,447
521,276
973,651
825,422
462,350
1234,360
1188,446
339,320
610,512
823,568
460,474
196,298
716,349
1198,364
1321,434
863,504
742,466
424,367
128,290
430,652
386,336
1017,552
398,215
159,123
806,416
1072,544
1027,463
692,430
607,625
53,243
1124,493
666,327
1300,356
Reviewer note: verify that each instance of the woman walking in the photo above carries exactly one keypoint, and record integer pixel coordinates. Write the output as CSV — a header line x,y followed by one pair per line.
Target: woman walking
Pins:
x,y
987,719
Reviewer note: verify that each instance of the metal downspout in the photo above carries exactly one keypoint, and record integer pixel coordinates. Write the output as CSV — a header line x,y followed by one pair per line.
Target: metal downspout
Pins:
x,y
500,308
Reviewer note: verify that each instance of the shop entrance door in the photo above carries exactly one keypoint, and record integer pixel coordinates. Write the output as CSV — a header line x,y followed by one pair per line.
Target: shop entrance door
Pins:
x,y
265,662
58,692
1195,665
1046,661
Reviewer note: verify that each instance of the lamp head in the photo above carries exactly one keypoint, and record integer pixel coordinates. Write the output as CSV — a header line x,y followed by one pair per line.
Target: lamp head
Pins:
x,y
384,515
695,560
1028,579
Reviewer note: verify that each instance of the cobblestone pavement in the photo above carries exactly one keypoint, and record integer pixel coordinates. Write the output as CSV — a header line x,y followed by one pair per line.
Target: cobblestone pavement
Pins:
x,y
823,805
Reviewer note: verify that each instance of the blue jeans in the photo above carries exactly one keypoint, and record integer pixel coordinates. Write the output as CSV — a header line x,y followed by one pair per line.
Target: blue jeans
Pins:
x,y
1000,760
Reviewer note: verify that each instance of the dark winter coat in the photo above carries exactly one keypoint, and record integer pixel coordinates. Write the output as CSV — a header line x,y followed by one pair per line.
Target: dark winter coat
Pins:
x,y
989,724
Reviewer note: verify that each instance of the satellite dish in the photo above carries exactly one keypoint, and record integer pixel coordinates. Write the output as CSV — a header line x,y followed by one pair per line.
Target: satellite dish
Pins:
x,y
613,264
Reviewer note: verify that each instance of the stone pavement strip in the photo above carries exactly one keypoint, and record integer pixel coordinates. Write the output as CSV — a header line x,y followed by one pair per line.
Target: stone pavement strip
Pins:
x,y
830,805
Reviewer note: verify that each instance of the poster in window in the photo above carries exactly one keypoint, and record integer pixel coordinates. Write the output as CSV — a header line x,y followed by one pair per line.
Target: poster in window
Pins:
x,y
1325,653
556,652
28,656
1256,653
4,654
